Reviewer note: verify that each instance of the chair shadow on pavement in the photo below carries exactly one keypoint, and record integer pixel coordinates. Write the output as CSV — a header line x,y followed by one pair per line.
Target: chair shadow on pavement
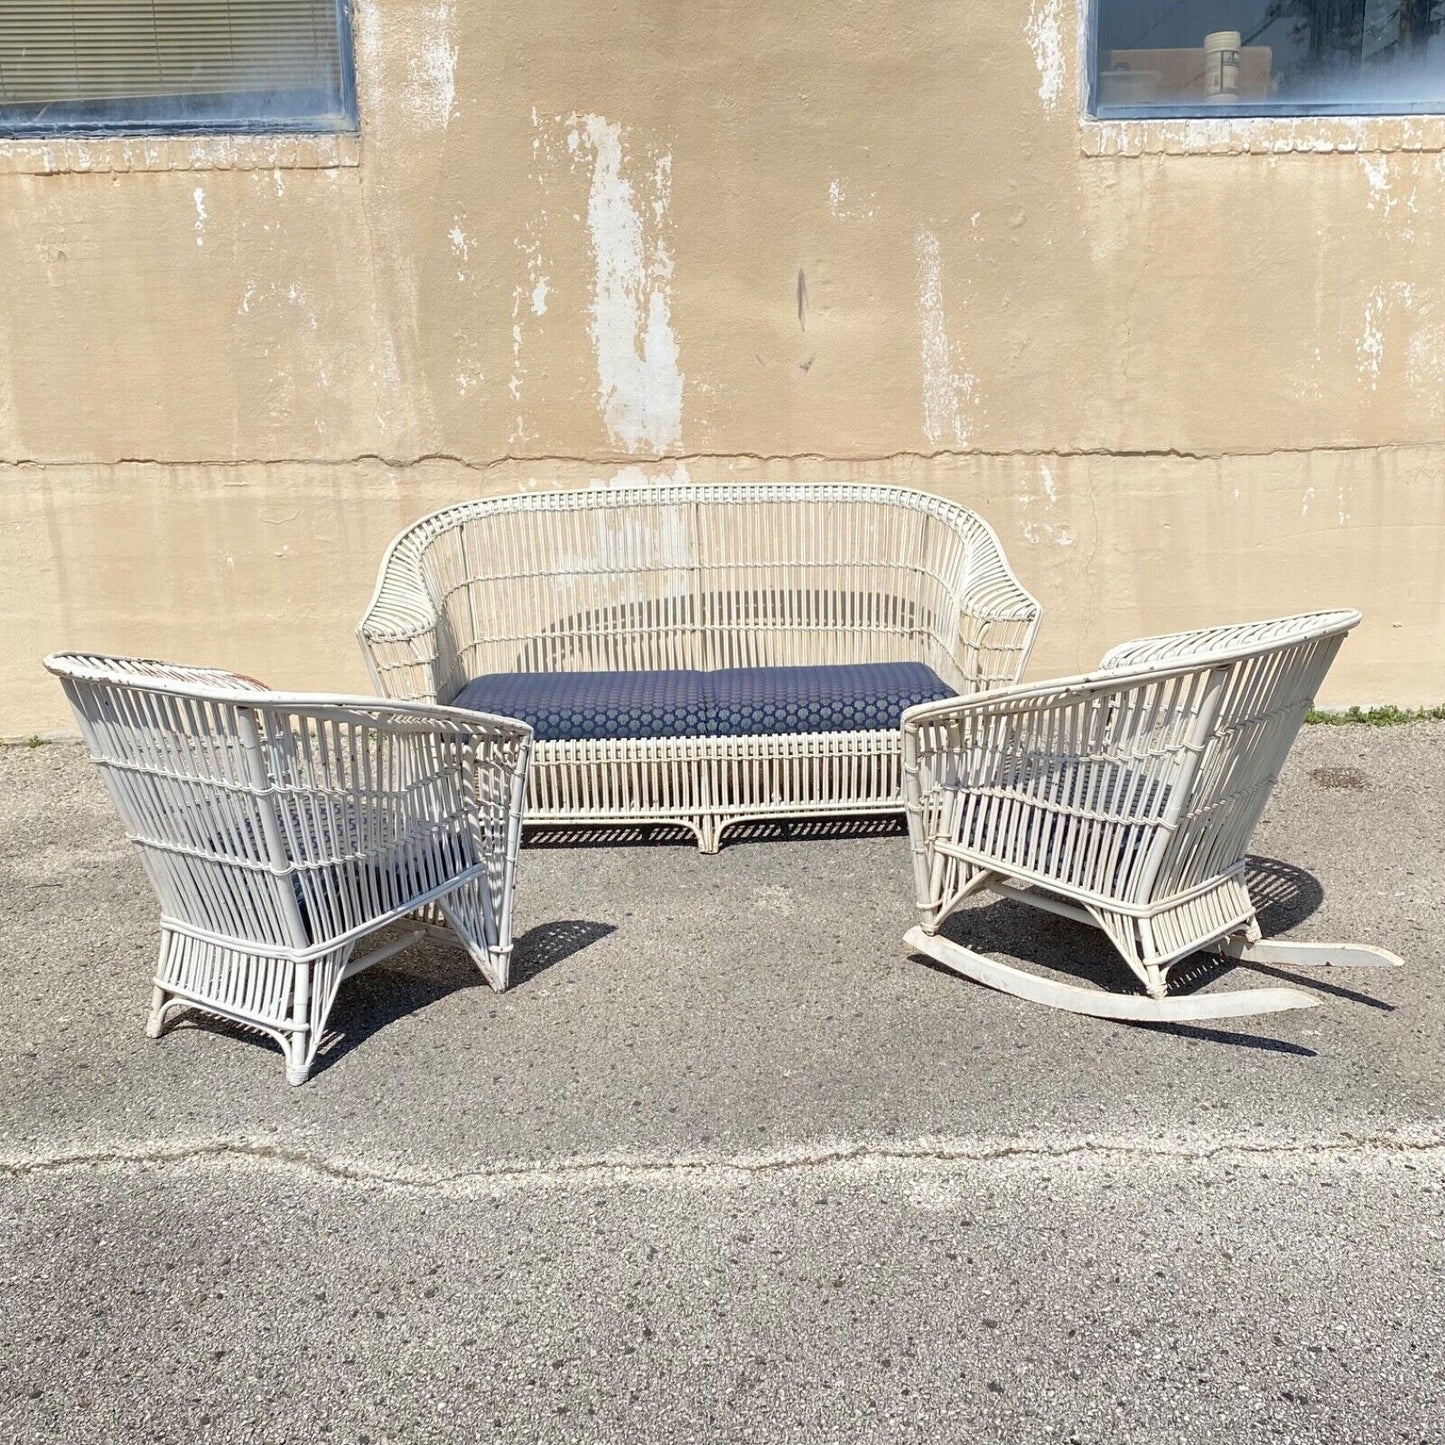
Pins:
x,y
417,978
1284,894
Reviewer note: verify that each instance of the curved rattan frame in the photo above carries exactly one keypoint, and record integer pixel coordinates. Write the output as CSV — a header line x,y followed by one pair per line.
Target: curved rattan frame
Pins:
x,y
280,830
693,576
1124,798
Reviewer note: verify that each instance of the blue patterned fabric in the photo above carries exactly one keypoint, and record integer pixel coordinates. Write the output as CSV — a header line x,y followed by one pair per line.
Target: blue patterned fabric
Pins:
x,y
732,702
848,698
572,706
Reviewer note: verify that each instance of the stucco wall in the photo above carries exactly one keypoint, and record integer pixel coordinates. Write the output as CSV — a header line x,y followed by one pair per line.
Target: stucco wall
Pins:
x,y
754,241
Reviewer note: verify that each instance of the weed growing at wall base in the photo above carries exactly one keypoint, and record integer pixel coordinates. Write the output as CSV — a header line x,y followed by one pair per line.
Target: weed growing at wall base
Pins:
x,y
1388,716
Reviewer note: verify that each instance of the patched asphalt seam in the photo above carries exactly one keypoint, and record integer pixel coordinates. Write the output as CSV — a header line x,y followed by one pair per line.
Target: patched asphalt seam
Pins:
x,y
857,1160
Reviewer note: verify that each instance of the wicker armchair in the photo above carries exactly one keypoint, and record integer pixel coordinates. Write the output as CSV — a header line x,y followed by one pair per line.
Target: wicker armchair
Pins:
x,y
280,830
700,655
1124,799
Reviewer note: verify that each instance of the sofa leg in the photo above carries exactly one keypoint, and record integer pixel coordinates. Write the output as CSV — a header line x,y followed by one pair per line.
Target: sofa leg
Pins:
x,y
709,835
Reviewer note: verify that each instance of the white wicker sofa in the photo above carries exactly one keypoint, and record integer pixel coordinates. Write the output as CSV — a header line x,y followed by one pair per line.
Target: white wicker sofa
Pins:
x,y
700,655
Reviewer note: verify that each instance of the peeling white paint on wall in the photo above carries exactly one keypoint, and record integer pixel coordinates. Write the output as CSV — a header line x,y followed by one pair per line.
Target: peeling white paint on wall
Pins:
x,y
1370,347
461,245
1377,177
638,381
434,64
1042,529
1386,200
528,294
1425,365
1044,31
199,197
429,91
945,387
635,476
845,205
1370,344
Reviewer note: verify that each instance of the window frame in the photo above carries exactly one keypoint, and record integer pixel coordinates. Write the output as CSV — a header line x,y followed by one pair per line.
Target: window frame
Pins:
x,y
349,115
1214,110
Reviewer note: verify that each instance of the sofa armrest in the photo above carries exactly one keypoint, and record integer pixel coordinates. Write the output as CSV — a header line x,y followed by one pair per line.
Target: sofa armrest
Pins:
x,y
399,632
998,618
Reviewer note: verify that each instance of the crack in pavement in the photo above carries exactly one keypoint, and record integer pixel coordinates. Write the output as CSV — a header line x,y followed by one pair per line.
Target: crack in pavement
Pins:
x,y
857,1159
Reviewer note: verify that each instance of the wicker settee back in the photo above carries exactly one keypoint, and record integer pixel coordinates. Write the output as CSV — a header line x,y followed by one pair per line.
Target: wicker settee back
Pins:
x,y
684,576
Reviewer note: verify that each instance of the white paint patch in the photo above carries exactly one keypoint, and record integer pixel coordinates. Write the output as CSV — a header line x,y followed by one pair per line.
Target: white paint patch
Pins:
x,y
635,476
1370,344
529,293
846,205
433,63
423,96
1399,210
1039,529
1044,31
199,197
638,381
1370,347
1048,533
461,247
945,387
1377,177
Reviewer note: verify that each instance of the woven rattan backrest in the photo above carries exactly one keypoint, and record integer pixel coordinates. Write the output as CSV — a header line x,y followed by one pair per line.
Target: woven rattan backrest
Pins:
x,y
186,776
702,577
1267,676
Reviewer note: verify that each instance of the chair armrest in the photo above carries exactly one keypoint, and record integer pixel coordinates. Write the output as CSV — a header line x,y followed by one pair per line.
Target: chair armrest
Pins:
x,y
144,671
1242,637
379,805
1055,781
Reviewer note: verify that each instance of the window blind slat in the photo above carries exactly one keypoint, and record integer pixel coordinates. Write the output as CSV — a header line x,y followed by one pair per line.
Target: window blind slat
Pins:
x,y
78,51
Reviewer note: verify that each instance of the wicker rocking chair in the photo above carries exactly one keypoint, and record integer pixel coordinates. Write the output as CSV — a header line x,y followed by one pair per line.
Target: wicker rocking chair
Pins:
x,y
1124,799
280,830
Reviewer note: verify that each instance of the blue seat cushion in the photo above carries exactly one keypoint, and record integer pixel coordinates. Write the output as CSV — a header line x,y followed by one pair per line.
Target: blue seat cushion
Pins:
x,y
731,702
846,698
572,706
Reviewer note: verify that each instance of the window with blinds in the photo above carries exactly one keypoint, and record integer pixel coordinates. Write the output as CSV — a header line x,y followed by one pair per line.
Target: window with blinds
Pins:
x,y
142,66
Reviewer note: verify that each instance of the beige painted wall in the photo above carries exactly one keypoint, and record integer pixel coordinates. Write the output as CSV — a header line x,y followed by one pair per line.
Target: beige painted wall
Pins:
x,y
1185,387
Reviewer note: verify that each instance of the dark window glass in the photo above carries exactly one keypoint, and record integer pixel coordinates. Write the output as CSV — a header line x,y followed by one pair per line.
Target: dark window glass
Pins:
x,y
1267,57
146,66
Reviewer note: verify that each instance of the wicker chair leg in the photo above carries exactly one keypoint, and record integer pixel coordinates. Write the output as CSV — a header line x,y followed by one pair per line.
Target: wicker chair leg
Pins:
x,y
501,968
473,921
160,996
314,992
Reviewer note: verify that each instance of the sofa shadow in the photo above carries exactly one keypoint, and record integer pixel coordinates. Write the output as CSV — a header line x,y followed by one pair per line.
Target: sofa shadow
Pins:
x,y
1284,894
758,830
